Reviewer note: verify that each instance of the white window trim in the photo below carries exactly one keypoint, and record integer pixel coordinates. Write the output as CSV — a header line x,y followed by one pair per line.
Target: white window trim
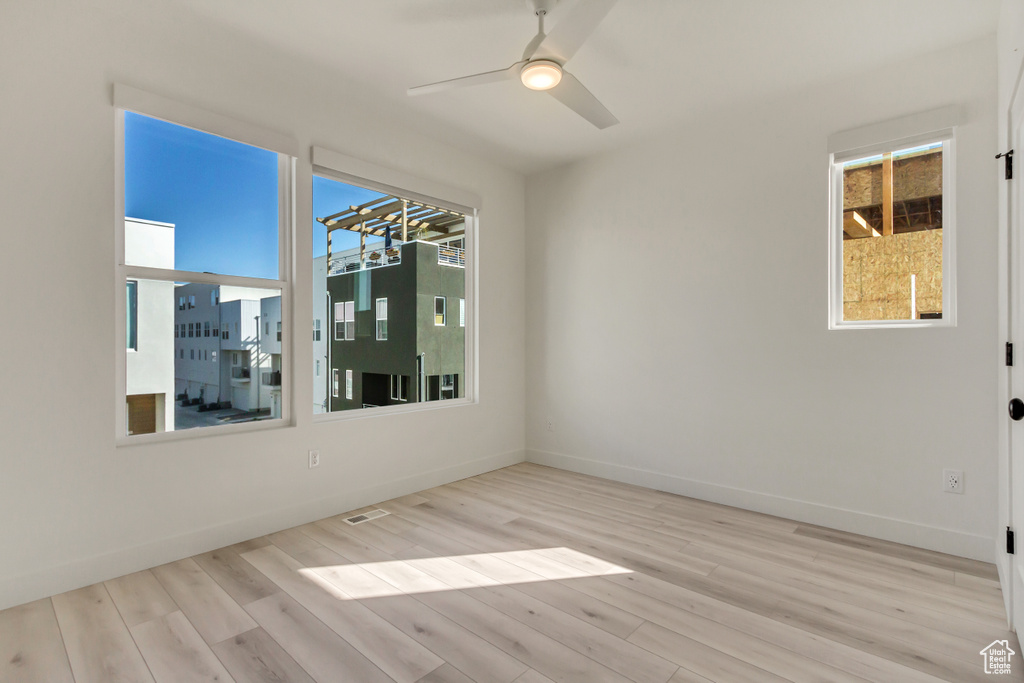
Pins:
x,y
935,126
126,98
331,164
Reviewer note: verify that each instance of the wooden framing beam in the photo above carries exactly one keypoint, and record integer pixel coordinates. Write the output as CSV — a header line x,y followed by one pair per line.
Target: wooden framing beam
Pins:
x,y
887,208
854,225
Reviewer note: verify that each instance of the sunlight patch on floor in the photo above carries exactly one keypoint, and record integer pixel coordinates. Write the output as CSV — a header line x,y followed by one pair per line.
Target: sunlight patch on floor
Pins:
x,y
359,581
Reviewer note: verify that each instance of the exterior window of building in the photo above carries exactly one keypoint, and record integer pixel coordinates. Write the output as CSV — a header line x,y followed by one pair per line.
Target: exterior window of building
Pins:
x,y
399,387
345,321
382,319
278,331
440,310
318,368
133,315
892,231
447,386
266,328
224,331
374,245
183,170
335,382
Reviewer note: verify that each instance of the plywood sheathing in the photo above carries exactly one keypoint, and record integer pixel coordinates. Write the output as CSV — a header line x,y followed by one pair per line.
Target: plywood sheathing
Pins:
x,y
876,275
912,178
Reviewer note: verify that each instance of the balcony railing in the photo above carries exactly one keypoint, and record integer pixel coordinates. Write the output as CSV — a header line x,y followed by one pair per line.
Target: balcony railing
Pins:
x,y
239,373
451,256
376,258
272,379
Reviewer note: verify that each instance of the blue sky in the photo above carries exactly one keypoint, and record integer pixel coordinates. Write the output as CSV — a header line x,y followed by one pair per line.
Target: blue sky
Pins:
x,y
221,197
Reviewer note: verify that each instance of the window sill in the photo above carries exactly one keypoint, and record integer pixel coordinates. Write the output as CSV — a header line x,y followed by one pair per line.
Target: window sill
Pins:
x,y
202,432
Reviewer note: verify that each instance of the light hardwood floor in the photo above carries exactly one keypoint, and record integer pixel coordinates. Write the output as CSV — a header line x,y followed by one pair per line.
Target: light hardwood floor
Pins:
x,y
527,575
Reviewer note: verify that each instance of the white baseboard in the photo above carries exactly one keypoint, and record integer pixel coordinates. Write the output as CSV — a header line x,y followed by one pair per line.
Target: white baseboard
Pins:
x,y
867,524
86,571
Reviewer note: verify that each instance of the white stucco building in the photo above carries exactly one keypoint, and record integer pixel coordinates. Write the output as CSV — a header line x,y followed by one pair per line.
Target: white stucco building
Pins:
x,y
149,388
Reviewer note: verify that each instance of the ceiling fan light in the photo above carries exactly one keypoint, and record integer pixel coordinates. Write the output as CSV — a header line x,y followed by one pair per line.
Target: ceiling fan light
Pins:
x,y
541,74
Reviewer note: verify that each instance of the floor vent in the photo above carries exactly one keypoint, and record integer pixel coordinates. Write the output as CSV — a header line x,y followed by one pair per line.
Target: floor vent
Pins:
x,y
365,517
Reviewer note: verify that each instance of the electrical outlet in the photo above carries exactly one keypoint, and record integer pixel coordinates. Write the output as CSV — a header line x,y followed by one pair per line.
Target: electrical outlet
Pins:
x,y
550,426
314,459
953,481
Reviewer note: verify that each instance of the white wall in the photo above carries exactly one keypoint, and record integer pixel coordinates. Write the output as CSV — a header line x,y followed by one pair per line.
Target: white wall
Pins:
x,y
700,361
78,509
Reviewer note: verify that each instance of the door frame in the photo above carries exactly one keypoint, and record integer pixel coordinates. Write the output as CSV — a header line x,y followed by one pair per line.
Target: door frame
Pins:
x,y
1011,379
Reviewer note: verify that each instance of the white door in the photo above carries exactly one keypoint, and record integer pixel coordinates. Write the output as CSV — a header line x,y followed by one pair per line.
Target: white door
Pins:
x,y
1014,584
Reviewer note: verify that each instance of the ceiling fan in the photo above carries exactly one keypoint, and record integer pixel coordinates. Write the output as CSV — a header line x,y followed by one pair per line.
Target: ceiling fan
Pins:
x,y
541,67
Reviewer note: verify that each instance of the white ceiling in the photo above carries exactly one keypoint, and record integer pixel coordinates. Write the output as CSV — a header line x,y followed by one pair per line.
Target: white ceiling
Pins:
x,y
651,62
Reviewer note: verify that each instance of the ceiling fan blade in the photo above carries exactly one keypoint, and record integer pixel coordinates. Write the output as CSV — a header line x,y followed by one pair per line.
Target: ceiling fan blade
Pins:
x,y
572,94
476,79
572,30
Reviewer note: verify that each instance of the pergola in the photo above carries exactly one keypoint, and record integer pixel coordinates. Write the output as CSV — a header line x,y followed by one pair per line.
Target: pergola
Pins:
x,y
431,223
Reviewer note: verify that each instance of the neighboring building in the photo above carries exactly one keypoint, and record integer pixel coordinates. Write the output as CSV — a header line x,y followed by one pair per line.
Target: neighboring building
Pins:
x,y
149,370
397,325
228,346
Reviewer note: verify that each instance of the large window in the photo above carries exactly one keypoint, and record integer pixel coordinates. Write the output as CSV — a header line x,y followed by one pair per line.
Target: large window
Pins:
x,y
202,247
892,232
386,262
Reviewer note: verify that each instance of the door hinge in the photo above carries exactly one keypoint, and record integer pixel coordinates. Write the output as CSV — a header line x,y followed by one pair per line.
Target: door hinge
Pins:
x,y
1009,541
1008,161
1009,354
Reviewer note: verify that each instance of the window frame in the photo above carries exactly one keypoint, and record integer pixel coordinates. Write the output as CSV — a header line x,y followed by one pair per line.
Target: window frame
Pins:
x,y
934,126
333,165
132,313
379,320
444,311
286,148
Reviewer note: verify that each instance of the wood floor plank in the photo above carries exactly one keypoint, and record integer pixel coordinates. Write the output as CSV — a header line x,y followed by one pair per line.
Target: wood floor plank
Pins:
x,y
985,570
320,651
385,645
210,609
99,646
255,657
532,676
699,658
176,653
31,648
446,674
292,541
139,597
238,578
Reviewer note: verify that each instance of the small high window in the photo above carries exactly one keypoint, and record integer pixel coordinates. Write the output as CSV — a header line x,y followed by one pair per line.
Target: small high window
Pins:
x,y
440,310
892,231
